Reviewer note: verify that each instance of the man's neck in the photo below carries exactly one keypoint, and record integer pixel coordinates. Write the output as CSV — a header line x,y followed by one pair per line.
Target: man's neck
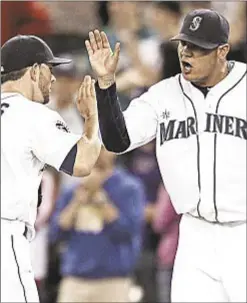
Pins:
x,y
206,88
203,89
14,87
217,77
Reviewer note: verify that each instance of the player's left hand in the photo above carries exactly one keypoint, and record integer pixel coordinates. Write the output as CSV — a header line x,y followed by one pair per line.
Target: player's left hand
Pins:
x,y
86,99
103,60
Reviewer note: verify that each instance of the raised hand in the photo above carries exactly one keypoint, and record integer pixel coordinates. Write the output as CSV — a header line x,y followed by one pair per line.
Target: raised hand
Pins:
x,y
86,99
102,59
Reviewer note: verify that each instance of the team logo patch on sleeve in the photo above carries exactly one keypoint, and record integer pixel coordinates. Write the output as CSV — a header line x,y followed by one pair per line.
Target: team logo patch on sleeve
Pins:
x,y
61,125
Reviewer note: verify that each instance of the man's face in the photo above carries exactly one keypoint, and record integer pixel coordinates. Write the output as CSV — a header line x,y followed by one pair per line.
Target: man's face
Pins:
x,y
197,64
46,79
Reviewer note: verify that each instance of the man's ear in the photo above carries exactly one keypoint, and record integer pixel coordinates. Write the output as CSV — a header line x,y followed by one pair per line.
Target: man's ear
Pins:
x,y
223,51
34,72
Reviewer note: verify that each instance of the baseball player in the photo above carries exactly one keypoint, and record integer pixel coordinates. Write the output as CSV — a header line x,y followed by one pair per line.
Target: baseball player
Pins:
x,y
198,119
33,136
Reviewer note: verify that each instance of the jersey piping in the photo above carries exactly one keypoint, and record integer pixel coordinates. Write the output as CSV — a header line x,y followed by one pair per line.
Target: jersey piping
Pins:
x,y
198,147
215,146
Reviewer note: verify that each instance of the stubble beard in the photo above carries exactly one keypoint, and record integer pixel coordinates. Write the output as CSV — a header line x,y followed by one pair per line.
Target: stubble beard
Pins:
x,y
44,90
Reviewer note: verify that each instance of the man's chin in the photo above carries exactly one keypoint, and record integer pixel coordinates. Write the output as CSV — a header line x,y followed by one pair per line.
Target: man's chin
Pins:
x,y
46,100
190,77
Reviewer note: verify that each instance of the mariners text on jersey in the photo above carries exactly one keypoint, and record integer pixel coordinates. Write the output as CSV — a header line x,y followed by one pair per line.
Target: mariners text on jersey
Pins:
x,y
221,124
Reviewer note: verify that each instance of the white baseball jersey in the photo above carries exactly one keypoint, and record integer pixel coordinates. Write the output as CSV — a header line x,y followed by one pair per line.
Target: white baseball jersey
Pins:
x,y
201,143
31,137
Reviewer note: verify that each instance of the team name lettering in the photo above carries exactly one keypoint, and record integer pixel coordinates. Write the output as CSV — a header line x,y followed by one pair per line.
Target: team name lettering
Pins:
x,y
177,129
226,125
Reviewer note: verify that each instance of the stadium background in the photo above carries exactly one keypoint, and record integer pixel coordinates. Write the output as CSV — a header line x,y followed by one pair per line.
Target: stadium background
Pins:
x,y
147,56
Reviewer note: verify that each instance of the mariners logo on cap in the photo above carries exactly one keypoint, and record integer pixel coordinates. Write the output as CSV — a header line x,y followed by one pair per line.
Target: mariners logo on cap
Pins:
x,y
195,24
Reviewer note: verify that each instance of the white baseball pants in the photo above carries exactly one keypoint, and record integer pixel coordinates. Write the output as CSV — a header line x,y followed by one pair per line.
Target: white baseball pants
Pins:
x,y
210,264
17,279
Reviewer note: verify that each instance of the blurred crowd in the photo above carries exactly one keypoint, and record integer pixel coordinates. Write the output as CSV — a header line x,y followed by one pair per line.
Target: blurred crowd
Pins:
x,y
112,236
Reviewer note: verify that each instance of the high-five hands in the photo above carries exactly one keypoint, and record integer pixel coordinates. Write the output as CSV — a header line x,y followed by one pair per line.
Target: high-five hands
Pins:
x,y
103,61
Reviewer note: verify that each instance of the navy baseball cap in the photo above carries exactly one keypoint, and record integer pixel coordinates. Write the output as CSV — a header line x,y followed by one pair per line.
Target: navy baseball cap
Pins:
x,y
205,28
25,50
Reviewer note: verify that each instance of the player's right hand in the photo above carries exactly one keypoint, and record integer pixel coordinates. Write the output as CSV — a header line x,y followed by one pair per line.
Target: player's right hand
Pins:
x,y
86,100
103,60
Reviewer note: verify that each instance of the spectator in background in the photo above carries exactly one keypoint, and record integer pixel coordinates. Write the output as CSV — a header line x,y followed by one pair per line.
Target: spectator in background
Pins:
x,y
166,222
188,6
166,20
124,17
238,41
160,60
24,17
101,222
124,23
73,17
143,164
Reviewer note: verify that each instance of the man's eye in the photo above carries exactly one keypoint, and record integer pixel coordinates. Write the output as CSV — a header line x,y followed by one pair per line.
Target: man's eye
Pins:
x,y
195,47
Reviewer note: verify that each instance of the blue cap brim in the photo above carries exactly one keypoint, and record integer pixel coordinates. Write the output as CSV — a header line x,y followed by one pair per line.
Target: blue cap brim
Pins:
x,y
195,41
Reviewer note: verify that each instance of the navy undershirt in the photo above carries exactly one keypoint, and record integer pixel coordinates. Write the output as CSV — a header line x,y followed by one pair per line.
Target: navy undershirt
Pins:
x,y
203,89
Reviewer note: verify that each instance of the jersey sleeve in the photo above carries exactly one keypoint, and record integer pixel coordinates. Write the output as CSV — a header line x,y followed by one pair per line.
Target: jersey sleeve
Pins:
x,y
141,119
52,139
